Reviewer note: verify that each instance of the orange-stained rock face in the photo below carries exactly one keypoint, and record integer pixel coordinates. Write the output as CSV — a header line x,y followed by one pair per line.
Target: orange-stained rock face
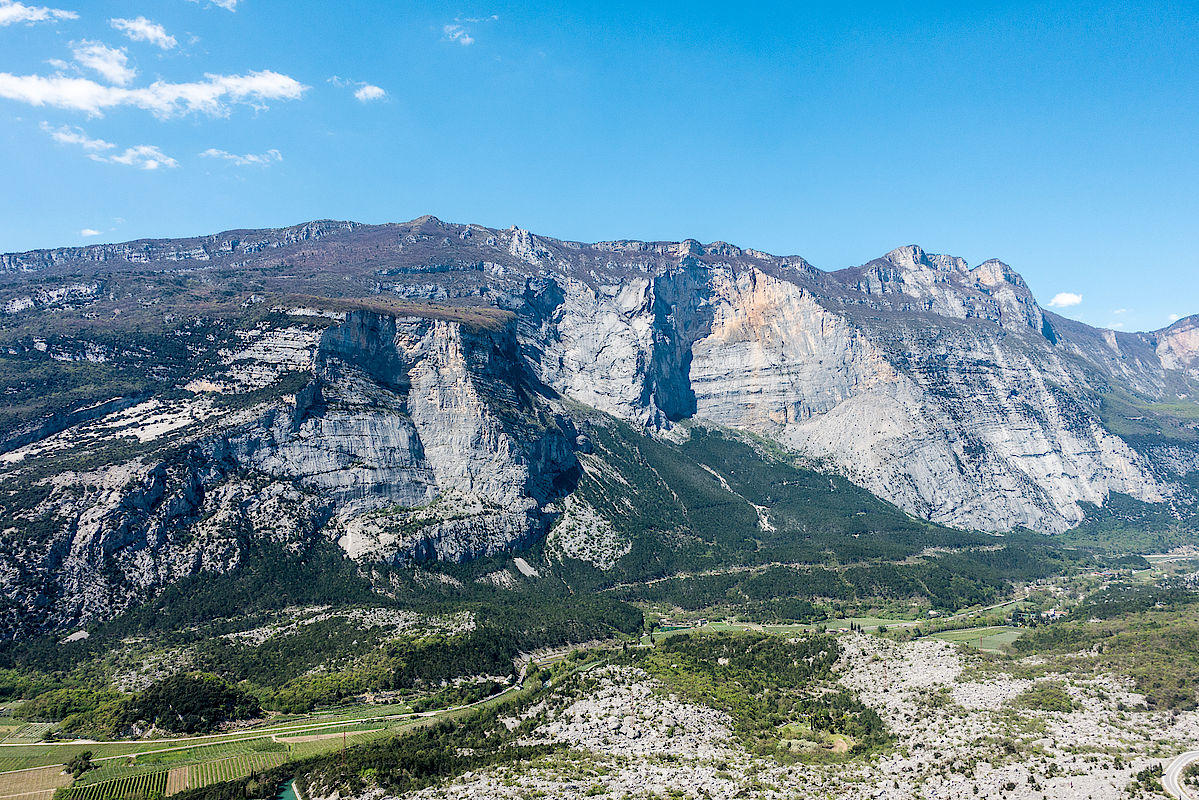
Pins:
x,y
1178,345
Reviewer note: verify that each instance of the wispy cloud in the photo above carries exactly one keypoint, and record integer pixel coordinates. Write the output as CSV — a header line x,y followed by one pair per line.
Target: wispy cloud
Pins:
x,y
89,232
213,95
457,31
111,63
1174,317
141,29
1120,311
1065,300
12,12
142,156
248,160
66,134
364,92
228,5
454,32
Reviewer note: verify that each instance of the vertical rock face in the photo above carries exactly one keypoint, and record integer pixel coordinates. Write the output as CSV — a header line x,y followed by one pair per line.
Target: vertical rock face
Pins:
x,y
964,411
622,348
594,344
1178,345
412,414
991,448
774,356
941,388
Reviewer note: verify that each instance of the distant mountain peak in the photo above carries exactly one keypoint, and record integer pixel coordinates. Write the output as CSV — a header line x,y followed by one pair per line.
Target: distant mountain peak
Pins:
x,y
912,256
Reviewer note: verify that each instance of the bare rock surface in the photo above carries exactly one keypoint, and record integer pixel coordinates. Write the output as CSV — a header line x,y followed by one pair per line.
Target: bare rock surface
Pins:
x,y
620,745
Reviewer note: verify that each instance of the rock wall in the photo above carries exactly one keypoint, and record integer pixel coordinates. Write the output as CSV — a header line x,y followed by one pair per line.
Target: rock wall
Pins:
x,y
428,437
1178,345
980,425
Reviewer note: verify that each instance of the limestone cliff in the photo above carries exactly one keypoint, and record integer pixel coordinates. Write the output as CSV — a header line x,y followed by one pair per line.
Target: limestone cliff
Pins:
x,y
943,389
1178,345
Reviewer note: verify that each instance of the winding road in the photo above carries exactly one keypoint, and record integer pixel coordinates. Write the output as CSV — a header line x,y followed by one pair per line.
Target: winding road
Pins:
x,y
1172,777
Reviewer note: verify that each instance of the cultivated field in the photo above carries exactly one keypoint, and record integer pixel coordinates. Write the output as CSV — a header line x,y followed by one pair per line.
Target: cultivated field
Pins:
x,y
32,784
33,770
228,769
997,638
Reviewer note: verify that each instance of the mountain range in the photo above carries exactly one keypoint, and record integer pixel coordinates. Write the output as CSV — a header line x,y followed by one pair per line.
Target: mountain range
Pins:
x,y
430,393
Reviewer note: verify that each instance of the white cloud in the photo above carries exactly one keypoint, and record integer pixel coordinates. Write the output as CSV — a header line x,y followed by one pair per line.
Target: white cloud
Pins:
x,y
364,92
143,156
228,5
110,62
1065,300
89,232
368,92
248,160
12,12
213,95
141,29
1174,317
1120,311
72,135
456,33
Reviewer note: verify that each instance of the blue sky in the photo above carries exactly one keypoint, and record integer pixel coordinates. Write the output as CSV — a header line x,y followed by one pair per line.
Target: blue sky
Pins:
x,y
1062,138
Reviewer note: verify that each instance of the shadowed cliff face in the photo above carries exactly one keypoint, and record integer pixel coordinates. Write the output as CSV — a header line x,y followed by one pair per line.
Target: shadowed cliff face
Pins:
x,y
430,439
622,348
406,391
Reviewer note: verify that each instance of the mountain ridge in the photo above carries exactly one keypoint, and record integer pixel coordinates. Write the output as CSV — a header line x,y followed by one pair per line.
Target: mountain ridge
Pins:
x,y
905,257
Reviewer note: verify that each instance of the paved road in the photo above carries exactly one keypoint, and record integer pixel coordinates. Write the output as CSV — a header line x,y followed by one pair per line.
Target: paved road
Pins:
x,y
1172,777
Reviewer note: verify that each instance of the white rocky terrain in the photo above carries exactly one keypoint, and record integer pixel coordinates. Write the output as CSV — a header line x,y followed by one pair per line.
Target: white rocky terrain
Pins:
x,y
956,737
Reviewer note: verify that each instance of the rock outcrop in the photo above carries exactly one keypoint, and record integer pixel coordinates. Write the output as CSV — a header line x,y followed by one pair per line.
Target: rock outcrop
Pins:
x,y
1178,345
